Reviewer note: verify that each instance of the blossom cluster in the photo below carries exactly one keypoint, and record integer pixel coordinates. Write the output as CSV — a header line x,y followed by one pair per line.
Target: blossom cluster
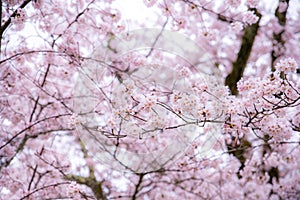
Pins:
x,y
286,65
250,17
148,123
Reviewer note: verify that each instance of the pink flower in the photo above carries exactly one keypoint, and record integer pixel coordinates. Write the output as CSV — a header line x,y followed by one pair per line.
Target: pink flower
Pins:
x,y
234,3
73,188
250,18
211,34
165,9
182,71
282,7
236,26
73,121
252,3
12,2
37,4
149,3
179,23
112,15
277,128
19,17
286,65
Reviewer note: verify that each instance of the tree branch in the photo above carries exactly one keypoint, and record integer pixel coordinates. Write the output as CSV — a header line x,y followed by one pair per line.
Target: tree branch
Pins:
x,y
7,23
90,181
137,187
244,53
279,42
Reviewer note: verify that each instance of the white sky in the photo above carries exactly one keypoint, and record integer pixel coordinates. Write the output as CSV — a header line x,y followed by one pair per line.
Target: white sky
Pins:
x,y
135,10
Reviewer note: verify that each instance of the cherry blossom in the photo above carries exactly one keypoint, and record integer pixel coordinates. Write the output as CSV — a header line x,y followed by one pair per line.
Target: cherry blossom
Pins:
x,y
237,26
282,6
234,3
286,65
250,18
89,109
252,3
150,3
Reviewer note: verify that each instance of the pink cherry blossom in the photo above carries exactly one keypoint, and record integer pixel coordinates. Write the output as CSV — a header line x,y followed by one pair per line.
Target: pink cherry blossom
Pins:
x,y
252,3
150,3
282,7
250,18
237,26
234,3
286,65
191,101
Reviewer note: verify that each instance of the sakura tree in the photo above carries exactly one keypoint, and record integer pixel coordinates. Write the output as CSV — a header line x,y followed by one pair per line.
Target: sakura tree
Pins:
x,y
193,100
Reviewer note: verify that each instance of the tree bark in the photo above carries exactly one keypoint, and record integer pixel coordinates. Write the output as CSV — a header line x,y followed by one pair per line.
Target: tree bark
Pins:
x,y
239,65
278,41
